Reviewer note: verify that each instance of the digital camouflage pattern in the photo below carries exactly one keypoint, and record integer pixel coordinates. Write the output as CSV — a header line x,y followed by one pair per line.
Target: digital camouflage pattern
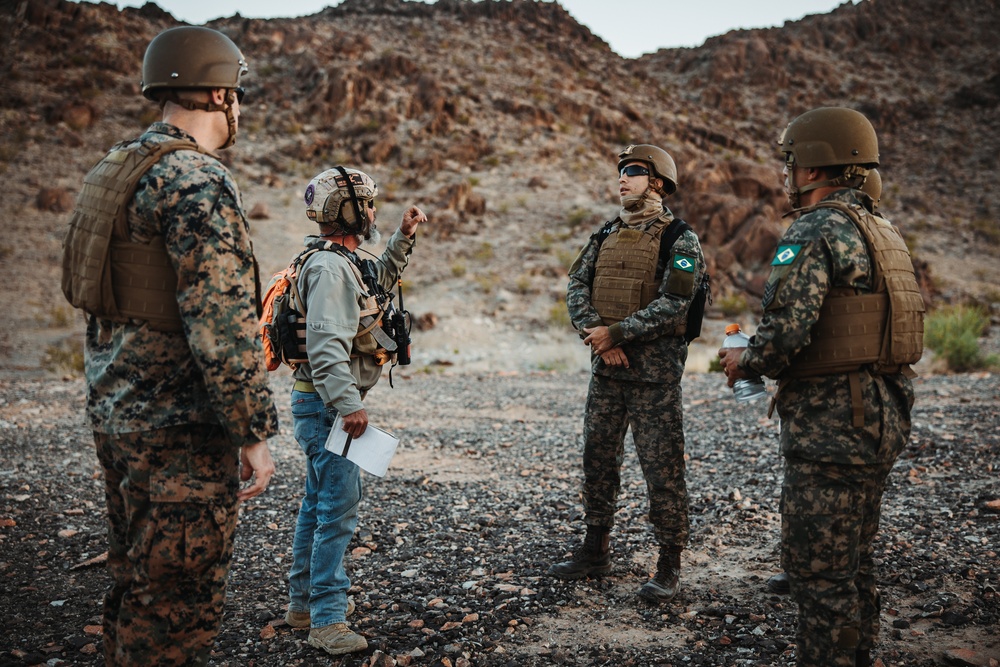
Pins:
x,y
648,342
171,496
653,410
646,396
835,473
171,410
213,373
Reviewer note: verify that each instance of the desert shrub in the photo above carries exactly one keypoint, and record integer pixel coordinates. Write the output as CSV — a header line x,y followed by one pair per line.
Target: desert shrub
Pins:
x,y
953,334
732,304
484,252
523,283
66,356
488,282
578,216
559,316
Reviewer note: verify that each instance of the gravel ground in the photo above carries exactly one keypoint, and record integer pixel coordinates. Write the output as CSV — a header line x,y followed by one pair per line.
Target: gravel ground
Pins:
x,y
450,556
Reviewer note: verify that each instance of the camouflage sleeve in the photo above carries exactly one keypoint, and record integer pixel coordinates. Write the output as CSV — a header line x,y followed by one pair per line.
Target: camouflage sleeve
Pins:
x,y
581,280
801,276
209,242
685,265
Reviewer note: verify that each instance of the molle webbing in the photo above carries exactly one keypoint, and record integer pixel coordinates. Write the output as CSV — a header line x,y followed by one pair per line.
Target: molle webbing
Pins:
x,y
104,273
848,334
884,328
145,283
625,272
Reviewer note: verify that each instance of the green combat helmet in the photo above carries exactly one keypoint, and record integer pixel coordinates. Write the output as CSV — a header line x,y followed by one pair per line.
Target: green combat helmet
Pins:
x,y
192,57
337,197
659,161
829,137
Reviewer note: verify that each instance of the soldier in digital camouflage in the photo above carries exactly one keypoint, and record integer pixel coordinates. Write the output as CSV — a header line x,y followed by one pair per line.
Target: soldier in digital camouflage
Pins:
x,y
159,255
871,194
629,293
843,319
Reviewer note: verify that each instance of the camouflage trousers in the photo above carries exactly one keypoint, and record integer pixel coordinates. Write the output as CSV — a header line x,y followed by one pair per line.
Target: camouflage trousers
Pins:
x,y
829,518
653,411
171,496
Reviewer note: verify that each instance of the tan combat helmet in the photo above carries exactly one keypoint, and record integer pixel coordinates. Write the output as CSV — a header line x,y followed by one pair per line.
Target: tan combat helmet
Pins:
x,y
658,159
192,57
338,197
873,188
829,137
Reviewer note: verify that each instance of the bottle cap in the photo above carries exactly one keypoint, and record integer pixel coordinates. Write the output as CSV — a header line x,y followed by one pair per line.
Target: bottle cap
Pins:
x,y
732,328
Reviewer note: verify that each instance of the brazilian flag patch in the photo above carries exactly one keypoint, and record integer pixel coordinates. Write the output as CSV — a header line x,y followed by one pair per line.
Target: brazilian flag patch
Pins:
x,y
683,263
786,255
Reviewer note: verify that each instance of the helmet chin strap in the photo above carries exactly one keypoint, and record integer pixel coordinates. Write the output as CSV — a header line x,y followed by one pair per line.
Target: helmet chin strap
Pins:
x,y
230,118
227,107
853,177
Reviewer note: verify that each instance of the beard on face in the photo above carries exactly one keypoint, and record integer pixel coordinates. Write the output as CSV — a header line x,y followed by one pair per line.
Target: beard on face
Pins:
x,y
373,238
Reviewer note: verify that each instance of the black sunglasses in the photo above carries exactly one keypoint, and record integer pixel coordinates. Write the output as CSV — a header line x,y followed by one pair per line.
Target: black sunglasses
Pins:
x,y
634,170
240,92
371,203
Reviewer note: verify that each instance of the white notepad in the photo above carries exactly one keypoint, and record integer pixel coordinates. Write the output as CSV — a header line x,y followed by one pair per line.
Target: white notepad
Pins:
x,y
372,452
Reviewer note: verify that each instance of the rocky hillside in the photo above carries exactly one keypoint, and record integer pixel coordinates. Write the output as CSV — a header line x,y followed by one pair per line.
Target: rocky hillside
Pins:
x,y
502,120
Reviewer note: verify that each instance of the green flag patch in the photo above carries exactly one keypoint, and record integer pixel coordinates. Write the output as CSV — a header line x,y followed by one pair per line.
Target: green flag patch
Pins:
x,y
786,254
683,263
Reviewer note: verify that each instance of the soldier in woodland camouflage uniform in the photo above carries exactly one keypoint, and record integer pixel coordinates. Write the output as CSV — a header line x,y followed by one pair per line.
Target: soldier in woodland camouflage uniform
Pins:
x,y
177,389
629,298
844,395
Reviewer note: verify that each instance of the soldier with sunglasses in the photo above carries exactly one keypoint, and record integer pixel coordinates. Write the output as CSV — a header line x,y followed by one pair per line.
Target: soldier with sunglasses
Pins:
x,y
628,296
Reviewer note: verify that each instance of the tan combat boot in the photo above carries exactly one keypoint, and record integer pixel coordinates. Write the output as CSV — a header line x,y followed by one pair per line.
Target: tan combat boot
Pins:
x,y
301,619
337,639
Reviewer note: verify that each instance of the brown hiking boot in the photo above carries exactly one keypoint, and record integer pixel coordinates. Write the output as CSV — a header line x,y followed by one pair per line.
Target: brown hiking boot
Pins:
x,y
664,586
301,619
591,560
337,639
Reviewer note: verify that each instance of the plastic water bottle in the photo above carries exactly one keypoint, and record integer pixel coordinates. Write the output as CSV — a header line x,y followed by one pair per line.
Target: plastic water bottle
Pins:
x,y
751,388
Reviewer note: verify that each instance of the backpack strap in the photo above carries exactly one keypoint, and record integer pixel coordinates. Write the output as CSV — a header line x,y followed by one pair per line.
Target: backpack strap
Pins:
x,y
667,241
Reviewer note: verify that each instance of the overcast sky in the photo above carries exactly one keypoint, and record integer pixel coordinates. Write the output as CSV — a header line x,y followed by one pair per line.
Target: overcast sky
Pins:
x,y
631,27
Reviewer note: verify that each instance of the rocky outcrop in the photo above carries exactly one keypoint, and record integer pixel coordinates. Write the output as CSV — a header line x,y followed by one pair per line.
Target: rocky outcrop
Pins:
x,y
517,92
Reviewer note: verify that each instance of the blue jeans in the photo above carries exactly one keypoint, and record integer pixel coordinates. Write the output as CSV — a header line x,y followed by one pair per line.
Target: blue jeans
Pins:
x,y
317,581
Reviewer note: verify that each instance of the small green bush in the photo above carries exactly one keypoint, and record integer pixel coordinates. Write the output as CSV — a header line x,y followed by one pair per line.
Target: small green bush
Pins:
x,y
732,304
953,334
484,252
64,357
559,316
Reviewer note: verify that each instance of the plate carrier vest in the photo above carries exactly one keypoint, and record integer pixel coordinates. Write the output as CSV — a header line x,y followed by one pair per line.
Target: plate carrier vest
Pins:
x,y
626,275
104,273
883,329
